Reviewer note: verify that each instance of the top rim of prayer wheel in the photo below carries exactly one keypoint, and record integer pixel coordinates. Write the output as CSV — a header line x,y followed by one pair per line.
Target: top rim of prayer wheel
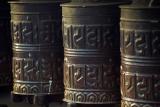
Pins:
x,y
146,3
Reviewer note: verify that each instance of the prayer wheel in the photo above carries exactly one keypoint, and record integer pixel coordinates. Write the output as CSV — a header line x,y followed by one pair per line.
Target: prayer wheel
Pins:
x,y
91,52
37,51
5,45
140,53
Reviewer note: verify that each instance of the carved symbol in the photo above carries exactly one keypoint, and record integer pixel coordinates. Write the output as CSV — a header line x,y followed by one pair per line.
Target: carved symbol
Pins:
x,y
28,70
140,43
144,88
157,87
92,73
17,69
27,33
78,36
45,68
67,69
109,80
16,32
93,36
129,85
66,36
128,42
107,37
46,32
79,76
156,43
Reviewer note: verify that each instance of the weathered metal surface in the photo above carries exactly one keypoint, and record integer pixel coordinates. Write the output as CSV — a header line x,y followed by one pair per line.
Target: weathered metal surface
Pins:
x,y
91,1
140,50
5,45
91,49
100,1
37,47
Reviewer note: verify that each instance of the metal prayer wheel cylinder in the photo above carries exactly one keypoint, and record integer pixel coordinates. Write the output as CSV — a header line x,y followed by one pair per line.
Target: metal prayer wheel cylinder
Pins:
x,y
5,45
140,52
37,47
91,50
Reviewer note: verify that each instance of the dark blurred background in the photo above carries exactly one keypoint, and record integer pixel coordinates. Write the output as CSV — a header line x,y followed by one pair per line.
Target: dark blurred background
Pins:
x,y
5,99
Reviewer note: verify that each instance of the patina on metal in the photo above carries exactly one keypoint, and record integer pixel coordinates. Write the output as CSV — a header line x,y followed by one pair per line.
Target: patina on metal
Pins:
x,y
100,1
37,50
91,49
92,1
140,50
5,45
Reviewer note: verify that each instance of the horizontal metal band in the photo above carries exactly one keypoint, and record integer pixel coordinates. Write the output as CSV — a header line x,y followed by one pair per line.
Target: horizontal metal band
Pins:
x,y
30,82
91,90
147,61
141,20
84,5
141,64
92,97
88,59
138,104
140,101
31,89
137,72
140,7
78,102
84,52
26,49
29,13
18,93
31,45
136,29
142,61
140,57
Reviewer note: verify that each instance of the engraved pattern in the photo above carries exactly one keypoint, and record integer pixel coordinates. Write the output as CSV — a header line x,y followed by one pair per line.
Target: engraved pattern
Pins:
x,y
26,71
90,97
89,77
88,36
140,43
142,87
31,88
25,32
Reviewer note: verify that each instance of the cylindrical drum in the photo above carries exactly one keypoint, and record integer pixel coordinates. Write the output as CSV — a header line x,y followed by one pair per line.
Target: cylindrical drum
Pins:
x,y
5,45
91,49
140,50
37,48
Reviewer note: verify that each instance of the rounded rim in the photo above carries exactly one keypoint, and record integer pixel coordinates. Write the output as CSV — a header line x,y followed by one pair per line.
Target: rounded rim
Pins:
x,y
138,7
75,4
